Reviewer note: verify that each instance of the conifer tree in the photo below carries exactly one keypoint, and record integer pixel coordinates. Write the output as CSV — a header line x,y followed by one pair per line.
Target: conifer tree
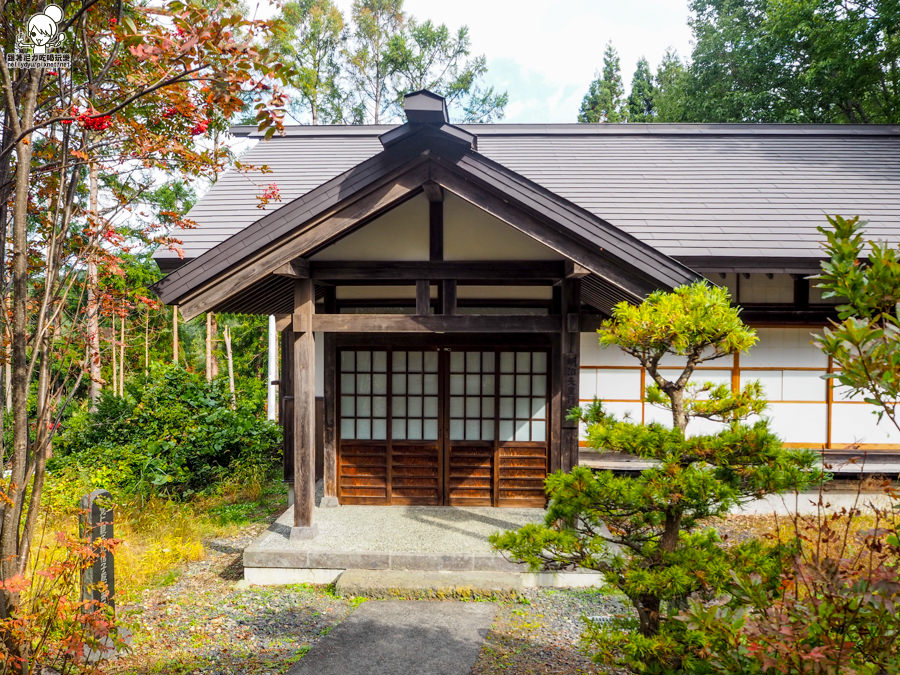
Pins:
x,y
649,534
640,106
603,102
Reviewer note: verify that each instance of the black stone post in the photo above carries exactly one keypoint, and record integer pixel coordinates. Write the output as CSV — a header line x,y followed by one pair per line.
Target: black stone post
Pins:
x,y
97,523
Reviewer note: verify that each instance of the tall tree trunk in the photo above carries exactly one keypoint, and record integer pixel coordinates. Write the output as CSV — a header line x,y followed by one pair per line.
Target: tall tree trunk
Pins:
x,y
93,302
175,335
122,357
114,347
9,538
147,344
212,365
227,336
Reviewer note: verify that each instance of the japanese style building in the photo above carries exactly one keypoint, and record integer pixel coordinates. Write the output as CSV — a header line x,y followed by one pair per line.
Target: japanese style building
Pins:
x,y
437,286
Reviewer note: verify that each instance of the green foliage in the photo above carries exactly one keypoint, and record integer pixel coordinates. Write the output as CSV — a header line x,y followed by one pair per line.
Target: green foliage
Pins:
x,y
603,102
812,61
671,80
429,56
357,69
647,533
174,434
696,323
310,35
639,107
865,344
802,61
827,604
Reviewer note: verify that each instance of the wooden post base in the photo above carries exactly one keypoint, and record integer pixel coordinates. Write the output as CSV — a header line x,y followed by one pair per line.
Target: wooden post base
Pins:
x,y
304,533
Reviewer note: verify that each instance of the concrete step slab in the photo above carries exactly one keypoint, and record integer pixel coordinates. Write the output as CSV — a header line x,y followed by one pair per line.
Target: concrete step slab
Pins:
x,y
445,584
419,583
409,637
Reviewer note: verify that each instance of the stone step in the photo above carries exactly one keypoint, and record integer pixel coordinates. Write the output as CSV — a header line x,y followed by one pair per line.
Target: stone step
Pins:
x,y
417,583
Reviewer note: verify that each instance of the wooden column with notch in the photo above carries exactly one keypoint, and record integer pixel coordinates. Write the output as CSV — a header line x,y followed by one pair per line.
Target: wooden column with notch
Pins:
x,y
286,396
304,357
329,441
570,352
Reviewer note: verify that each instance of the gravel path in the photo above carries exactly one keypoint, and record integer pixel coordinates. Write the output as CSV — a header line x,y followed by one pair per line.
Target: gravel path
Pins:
x,y
541,633
209,623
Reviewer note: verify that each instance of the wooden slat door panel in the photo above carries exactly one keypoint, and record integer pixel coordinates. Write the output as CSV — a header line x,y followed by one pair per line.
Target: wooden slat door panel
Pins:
x,y
470,476
362,474
522,471
415,474
461,427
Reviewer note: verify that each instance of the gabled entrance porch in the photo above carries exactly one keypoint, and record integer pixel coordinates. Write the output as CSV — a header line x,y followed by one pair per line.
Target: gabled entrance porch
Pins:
x,y
434,299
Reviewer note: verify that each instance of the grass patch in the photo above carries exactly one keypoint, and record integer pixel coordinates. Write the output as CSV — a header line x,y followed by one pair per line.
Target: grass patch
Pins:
x,y
158,536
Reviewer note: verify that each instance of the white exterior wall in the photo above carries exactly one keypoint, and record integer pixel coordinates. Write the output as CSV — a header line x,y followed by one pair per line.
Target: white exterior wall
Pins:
x,y
785,361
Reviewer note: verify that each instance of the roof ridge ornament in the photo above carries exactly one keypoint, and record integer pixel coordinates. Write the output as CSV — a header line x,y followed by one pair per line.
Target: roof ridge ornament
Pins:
x,y
425,107
427,119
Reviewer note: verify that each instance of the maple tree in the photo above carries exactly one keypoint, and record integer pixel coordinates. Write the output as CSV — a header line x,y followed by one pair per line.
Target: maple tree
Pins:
x,y
149,89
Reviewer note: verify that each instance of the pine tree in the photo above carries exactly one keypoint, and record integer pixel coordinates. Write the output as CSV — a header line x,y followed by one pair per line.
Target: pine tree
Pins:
x,y
603,102
640,106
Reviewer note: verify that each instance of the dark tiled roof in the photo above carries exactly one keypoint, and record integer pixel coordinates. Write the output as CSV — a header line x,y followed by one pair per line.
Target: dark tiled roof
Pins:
x,y
750,191
624,266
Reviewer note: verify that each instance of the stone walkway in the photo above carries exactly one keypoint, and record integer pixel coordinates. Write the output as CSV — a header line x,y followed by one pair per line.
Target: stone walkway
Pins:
x,y
408,637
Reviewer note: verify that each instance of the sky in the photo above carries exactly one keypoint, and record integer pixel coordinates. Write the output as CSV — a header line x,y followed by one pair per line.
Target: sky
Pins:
x,y
545,54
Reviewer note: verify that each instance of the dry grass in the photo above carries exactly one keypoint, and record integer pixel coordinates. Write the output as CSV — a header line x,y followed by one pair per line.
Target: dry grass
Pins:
x,y
158,536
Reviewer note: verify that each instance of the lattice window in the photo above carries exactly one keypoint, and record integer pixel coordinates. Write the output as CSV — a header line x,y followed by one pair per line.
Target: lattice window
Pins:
x,y
364,391
472,396
414,396
523,396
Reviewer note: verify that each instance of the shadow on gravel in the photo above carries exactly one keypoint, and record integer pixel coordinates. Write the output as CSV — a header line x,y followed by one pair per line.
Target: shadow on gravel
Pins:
x,y
258,641
234,570
509,655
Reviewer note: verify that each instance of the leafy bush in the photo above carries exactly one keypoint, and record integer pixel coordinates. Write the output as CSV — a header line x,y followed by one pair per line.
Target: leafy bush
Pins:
x,y
648,533
833,605
173,434
54,630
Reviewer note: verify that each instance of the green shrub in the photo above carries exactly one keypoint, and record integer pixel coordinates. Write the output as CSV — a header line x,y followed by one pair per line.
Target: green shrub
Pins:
x,y
173,434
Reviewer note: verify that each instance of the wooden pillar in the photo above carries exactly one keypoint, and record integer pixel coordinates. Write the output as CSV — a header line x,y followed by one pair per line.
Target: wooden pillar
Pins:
x,y
286,409
304,357
329,461
570,352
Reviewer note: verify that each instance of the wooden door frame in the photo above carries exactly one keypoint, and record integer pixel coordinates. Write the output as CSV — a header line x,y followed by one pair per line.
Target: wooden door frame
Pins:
x,y
336,341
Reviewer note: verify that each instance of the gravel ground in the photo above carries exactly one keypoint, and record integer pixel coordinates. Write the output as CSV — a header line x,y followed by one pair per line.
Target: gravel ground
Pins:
x,y
541,633
209,623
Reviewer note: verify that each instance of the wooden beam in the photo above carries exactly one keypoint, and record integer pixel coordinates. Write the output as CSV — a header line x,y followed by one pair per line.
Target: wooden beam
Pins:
x,y
409,323
304,353
433,192
538,272
295,269
329,452
576,271
570,351
423,297
315,233
631,282
448,297
283,321
436,230
286,400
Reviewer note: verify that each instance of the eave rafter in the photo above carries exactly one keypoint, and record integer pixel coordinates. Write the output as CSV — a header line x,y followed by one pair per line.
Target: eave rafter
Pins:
x,y
425,162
